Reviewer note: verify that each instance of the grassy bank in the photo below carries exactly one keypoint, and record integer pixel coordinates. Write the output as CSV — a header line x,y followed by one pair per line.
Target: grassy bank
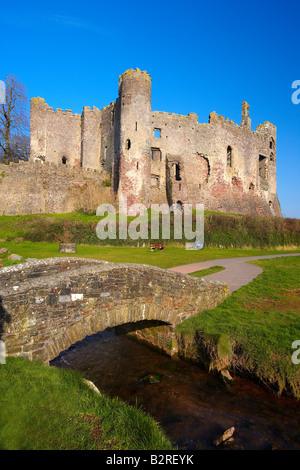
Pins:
x,y
44,408
252,331
225,230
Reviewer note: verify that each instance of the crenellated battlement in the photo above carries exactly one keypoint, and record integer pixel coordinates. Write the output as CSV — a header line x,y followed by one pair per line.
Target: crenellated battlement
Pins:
x,y
263,131
137,73
41,103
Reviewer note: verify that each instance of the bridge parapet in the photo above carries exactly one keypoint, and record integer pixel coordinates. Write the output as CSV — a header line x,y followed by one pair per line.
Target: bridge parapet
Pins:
x,y
54,303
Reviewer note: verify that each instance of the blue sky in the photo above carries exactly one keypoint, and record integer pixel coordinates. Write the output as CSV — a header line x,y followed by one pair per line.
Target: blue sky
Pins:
x,y
202,57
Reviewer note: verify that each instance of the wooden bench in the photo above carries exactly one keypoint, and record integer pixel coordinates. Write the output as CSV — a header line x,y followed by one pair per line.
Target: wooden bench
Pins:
x,y
156,246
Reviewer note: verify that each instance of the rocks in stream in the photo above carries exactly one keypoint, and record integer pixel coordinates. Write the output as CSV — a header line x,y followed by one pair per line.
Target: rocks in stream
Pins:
x,y
151,379
226,438
228,380
92,386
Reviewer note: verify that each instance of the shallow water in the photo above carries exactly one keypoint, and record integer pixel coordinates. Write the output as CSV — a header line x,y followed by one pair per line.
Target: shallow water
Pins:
x,y
192,406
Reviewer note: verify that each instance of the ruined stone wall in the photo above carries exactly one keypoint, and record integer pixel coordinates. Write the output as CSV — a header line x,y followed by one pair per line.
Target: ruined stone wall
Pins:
x,y
194,164
90,138
84,140
54,135
36,187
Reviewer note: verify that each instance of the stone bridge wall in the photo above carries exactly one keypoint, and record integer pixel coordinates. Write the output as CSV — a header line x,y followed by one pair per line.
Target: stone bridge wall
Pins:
x,y
51,304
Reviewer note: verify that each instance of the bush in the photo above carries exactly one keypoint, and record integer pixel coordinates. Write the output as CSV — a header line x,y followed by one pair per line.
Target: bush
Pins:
x,y
228,231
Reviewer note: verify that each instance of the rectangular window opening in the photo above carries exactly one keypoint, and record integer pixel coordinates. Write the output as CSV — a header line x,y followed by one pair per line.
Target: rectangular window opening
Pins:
x,y
156,155
262,166
157,133
154,181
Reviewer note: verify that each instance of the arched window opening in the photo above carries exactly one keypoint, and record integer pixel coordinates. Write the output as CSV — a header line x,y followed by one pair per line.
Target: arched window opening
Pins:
x,y
229,156
64,160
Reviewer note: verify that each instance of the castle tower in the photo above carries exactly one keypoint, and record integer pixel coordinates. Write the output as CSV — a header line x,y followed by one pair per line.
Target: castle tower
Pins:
x,y
269,160
134,164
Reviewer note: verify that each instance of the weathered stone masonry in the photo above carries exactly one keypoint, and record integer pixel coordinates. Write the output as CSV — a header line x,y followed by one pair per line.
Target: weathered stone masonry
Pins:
x,y
80,161
159,157
56,302
32,187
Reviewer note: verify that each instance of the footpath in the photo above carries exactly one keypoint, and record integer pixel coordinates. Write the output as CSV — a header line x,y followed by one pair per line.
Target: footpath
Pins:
x,y
238,272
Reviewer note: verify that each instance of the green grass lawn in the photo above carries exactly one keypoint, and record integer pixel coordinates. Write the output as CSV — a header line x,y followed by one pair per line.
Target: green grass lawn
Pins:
x,y
167,258
254,328
44,408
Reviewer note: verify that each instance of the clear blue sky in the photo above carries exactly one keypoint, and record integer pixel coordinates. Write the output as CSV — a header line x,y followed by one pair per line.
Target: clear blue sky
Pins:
x,y
202,57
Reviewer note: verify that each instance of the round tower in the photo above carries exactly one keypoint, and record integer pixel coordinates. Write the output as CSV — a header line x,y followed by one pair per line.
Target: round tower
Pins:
x,y
135,137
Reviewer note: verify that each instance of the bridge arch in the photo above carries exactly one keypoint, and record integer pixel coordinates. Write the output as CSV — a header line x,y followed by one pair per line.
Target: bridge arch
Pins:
x,y
54,303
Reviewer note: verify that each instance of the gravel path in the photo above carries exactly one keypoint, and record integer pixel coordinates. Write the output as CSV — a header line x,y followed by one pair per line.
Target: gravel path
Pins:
x,y
237,271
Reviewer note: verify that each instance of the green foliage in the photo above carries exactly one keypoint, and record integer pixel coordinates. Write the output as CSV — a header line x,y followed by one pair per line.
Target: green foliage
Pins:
x,y
250,230
220,230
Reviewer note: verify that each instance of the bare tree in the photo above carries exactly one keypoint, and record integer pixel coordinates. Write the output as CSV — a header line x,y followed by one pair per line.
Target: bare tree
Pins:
x,y
14,122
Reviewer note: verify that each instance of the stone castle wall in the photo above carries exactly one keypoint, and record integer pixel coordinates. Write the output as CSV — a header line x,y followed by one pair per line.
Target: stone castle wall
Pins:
x,y
36,187
195,156
159,157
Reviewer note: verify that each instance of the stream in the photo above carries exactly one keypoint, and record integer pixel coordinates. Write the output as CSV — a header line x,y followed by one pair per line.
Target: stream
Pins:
x,y
192,406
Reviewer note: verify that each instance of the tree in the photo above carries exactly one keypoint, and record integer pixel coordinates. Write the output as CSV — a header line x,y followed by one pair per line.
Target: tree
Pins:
x,y
14,122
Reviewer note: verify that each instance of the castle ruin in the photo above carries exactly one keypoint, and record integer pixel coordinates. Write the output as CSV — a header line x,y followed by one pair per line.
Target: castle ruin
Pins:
x,y
160,157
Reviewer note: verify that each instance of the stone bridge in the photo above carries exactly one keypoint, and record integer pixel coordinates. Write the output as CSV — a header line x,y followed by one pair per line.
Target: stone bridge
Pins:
x,y
48,305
